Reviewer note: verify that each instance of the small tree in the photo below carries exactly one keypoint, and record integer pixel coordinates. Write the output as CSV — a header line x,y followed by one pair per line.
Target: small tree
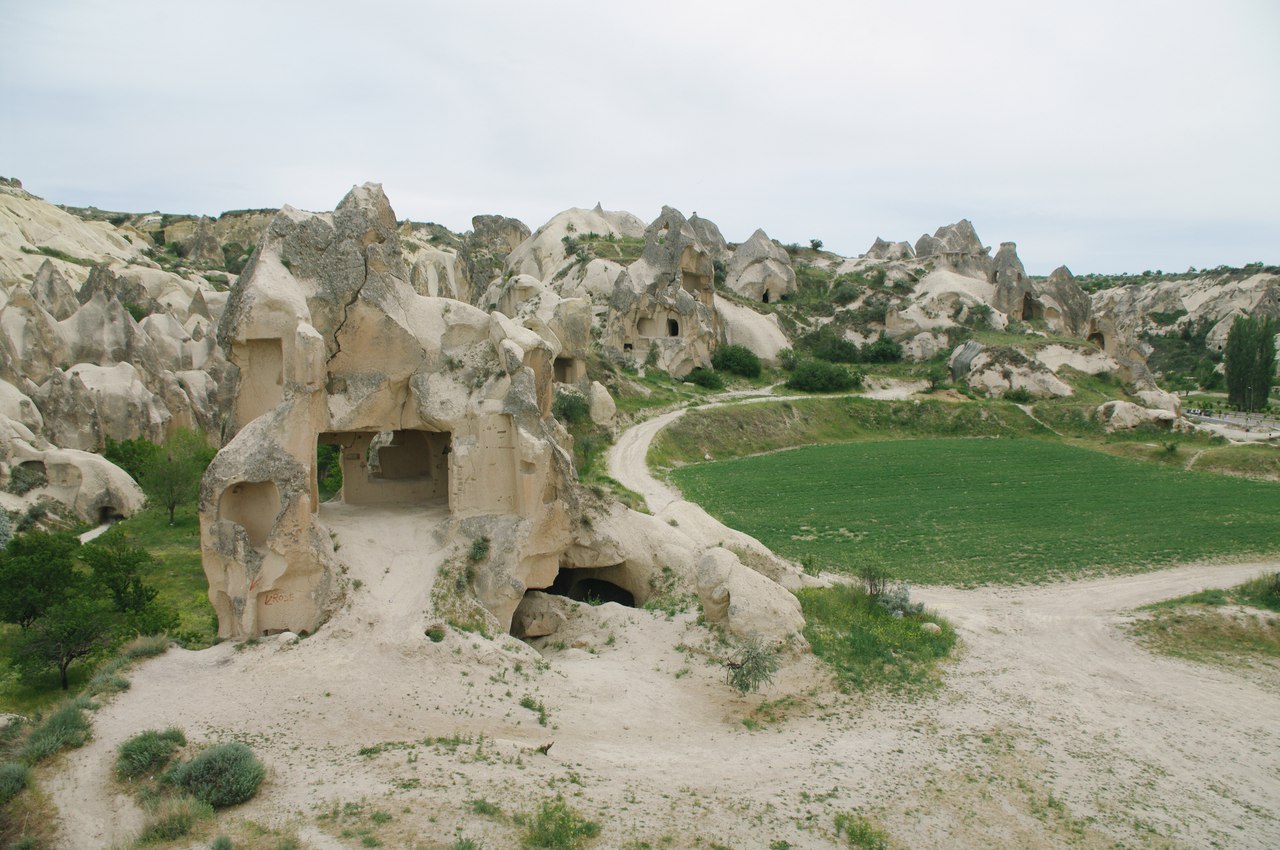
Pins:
x,y
78,626
1250,359
36,574
173,476
752,666
815,244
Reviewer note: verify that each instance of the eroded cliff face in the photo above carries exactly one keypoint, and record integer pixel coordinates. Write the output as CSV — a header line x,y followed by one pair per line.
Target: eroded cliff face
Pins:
x,y
432,403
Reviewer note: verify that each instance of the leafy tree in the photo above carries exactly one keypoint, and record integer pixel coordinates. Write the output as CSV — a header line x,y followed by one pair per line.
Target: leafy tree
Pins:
x,y
80,625
737,360
822,377
37,574
173,476
133,456
117,566
815,244
1251,361
883,350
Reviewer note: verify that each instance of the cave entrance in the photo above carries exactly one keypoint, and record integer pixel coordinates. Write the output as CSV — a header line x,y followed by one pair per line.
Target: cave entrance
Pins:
x,y
765,297
109,514
404,467
590,587
1031,308
673,327
567,370
1098,339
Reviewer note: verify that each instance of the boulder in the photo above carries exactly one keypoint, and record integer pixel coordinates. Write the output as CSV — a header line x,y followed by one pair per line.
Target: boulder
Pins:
x,y
1125,415
52,291
745,602
603,408
888,251
540,614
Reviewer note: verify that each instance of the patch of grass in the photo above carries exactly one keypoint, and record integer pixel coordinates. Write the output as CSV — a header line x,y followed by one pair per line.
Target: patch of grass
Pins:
x,y
66,728
174,817
866,645
223,775
554,825
860,833
14,778
177,573
749,429
1215,625
484,807
536,706
973,511
148,752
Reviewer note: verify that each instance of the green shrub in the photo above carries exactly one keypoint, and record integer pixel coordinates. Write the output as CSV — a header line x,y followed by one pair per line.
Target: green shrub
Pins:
x,y
479,550
555,826
23,479
883,350
145,647
221,843
1019,395
705,378
147,752
65,729
845,292
860,833
570,407
737,360
821,377
174,818
787,359
752,666
221,776
13,778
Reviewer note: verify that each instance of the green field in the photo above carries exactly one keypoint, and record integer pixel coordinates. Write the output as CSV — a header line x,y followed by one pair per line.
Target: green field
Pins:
x,y
967,511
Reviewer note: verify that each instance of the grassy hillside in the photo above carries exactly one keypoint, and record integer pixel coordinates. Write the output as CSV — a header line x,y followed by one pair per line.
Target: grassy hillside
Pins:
x,y
750,429
973,511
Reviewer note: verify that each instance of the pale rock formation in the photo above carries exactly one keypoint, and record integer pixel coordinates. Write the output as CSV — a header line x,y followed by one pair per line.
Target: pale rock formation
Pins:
x,y
540,614
123,406
924,346
91,486
28,224
1158,399
16,405
1084,359
888,251
563,323
32,340
498,233
603,409
957,247
1012,284
437,272
53,292
1125,415
942,299
709,237
664,302
70,416
745,602
760,270
433,403
996,371
1060,301
594,281
543,254
744,326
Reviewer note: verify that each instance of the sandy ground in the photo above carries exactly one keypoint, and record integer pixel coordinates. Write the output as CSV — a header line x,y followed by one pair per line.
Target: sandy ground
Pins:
x,y
1052,728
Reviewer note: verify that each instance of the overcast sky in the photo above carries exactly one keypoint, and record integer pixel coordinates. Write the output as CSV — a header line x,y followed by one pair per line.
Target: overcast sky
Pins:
x,y
1109,136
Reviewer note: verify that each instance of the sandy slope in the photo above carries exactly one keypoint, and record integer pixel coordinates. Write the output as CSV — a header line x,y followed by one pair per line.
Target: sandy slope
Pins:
x,y
1052,728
